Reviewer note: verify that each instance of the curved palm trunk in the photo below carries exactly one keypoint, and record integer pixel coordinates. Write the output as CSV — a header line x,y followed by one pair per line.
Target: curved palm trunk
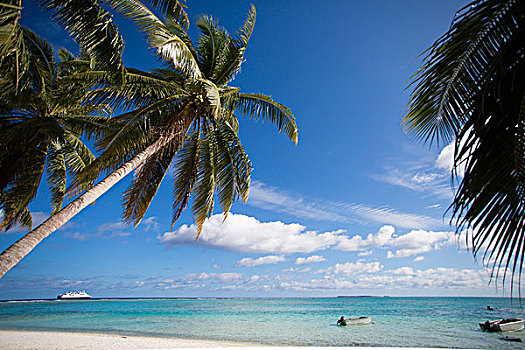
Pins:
x,y
12,255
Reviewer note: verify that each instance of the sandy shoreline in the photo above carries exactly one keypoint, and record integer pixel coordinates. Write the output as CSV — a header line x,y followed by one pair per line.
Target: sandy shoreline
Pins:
x,y
25,340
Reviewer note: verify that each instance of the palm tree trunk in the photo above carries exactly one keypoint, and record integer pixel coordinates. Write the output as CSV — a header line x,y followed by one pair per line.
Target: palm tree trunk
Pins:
x,y
12,255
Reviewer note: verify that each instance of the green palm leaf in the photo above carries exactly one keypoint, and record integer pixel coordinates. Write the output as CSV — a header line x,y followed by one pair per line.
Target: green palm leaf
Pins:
x,y
259,106
469,88
455,66
92,27
232,56
23,187
10,11
186,170
234,167
146,182
161,36
204,189
210,45
56,175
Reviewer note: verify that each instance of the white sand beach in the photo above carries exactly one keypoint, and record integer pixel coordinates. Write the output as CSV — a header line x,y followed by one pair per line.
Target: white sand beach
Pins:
x,y
25,340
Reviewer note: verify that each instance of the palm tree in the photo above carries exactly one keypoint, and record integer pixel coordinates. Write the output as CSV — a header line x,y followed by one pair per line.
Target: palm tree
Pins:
x,y
86,21
41,124
186,110
470,89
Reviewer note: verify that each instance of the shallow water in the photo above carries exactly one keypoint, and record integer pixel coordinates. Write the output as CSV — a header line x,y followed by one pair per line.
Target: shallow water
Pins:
x,y
404,322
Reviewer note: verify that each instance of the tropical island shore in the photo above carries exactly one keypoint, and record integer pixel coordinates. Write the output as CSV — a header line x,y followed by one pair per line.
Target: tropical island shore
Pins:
x,y
24,340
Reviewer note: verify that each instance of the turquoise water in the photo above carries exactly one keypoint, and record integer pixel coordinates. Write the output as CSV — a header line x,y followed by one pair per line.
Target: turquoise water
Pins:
x,y
405,322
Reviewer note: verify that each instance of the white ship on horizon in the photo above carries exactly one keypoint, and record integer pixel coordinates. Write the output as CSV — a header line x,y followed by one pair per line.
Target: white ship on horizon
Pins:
x,y
74,295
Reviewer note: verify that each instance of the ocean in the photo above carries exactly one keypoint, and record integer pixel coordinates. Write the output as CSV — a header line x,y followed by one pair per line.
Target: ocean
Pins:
x,y
402,322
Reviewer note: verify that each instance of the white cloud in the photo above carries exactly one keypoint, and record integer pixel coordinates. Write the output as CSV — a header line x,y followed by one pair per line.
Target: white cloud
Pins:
x,y
419,258
412,243
105,231
196,280
222,277
310,259
352,269
445,159
150,223
112,229
271,198
423,178
406,270
263,260
118,234
78,236
112,226
419,178
357,243
404,278
367,253
246,234
298,270
390,216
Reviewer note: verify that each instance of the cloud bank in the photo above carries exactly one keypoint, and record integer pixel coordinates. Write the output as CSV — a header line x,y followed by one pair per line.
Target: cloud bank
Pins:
x,y
263,260
246,234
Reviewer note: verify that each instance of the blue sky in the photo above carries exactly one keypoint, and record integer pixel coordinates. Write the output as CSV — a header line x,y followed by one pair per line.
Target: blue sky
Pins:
x,y
357,207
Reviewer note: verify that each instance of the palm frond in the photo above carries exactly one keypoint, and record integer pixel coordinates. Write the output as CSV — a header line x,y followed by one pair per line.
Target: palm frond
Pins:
x,y
233,177
10,11
210,45
23,188
232,56
139,90
77,154
40,49
259,106
469,88
146,181
93,28
168,44
204,189
455,65
56,175
22,218
229,101
185,175
173,9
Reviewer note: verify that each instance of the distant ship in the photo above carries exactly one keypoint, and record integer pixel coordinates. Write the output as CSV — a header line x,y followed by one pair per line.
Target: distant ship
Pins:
x,y
74,295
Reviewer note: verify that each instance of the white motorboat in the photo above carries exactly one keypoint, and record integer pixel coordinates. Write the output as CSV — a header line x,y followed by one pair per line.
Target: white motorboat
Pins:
x,y
503,325
74,295
356,321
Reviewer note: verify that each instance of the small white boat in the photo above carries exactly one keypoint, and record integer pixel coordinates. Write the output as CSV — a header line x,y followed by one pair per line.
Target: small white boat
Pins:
x,y
74,295
356,321
503,325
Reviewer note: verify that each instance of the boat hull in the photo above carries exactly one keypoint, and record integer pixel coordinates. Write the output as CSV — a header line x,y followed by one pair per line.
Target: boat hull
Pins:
x,y
358,321
72,298
503,325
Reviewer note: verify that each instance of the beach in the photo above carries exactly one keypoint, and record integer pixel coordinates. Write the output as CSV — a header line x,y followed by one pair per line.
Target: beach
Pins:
x,y
22,340
25,340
